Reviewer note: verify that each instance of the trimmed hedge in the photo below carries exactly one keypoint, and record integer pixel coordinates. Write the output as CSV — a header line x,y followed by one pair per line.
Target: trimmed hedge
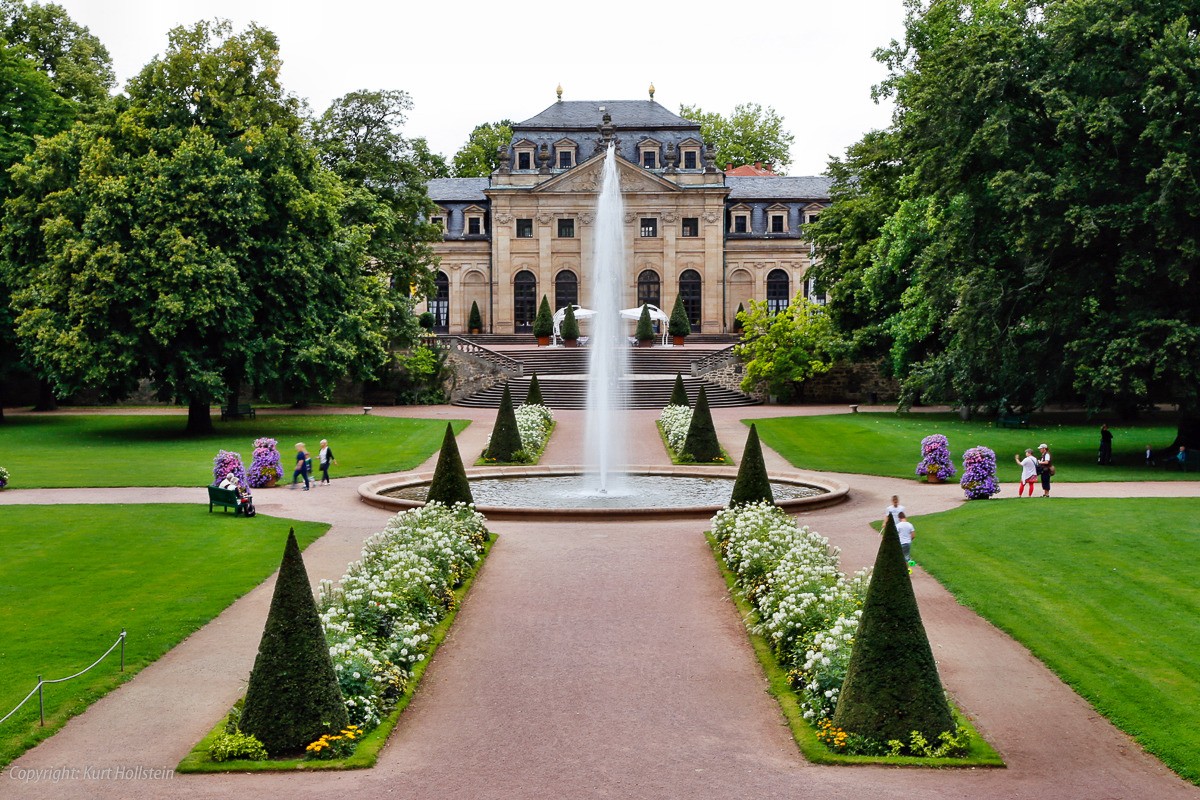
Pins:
x,y
678,393
752,484
533,397
701,442
450,484
506,437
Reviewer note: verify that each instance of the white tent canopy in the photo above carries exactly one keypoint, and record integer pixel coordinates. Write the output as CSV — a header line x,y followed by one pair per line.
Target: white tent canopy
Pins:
x,y
656,315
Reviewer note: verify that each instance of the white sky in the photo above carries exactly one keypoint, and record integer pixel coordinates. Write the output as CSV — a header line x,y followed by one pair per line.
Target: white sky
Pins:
x,y
468,62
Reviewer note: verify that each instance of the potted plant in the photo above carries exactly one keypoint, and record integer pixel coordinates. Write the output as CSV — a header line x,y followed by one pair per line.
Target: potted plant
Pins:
x,y
645,330
266,466
570,328
936,465
475,320
679,326
543,323
737,318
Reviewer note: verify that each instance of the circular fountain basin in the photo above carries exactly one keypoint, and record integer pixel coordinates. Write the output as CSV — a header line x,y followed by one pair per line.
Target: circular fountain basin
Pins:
x,y
644,492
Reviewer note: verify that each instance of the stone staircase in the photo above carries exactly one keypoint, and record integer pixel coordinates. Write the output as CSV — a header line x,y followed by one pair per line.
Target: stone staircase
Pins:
x,y
562,376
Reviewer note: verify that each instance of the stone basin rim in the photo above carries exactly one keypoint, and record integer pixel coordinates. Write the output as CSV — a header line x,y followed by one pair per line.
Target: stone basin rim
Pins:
x,y
370,492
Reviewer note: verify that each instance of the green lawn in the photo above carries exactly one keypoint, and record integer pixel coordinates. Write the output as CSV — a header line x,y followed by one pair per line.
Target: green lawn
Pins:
x,y
119,450
1103,591
890,444
73,576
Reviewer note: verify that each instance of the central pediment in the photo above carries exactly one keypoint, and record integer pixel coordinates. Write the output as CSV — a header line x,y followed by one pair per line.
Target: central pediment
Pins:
x,y
586,177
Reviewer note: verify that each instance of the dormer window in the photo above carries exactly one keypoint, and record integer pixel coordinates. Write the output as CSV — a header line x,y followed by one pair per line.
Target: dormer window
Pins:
x,y
777,219
440,221
525,151
689,154
564,153
648,153
739,219
473,221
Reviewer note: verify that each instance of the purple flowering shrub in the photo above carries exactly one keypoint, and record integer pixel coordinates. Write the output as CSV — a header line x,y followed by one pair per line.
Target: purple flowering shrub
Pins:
x,y
227,462
267,465
935,452
979,473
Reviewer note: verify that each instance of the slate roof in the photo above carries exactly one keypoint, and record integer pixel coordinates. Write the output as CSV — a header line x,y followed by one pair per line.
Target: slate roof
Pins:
x,y
812,187
586,114
449,190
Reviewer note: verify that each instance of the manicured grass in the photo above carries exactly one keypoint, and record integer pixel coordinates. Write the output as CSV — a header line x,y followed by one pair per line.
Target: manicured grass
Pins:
x,y
1103,591
890,444
119,450
367,751
73,576
979,753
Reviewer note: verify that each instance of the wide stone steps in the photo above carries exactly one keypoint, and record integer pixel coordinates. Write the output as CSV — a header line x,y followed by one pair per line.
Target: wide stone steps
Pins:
x,y
637,391
489,339
574,360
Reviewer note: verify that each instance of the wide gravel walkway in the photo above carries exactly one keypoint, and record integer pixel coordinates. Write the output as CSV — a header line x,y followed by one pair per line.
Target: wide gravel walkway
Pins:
x,y
599,659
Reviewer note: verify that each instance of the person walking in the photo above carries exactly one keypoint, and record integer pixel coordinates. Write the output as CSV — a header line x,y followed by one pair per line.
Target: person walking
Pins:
x,y
894,510
302,466
325,458
1045,468
1029,471
906,531
1106,440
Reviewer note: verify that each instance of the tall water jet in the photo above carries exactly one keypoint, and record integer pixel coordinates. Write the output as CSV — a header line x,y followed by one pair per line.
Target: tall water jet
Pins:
x,y
606,344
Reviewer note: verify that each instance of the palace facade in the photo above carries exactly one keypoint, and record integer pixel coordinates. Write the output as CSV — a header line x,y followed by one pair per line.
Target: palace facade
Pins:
x,y
691,229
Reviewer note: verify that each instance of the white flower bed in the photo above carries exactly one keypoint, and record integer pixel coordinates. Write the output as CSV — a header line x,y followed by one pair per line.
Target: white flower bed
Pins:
x,y
377,617
807,608
534,423
675,421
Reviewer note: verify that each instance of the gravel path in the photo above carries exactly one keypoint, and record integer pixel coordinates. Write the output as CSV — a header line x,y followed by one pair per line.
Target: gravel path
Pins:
x,y
597,660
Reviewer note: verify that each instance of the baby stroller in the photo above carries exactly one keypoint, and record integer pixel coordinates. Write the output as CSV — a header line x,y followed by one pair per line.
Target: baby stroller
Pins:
x,y
245,501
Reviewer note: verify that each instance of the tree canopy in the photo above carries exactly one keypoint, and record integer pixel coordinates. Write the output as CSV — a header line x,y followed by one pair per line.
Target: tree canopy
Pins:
x,y
478,157
782,350
750,133
78,65
1028,228
189,235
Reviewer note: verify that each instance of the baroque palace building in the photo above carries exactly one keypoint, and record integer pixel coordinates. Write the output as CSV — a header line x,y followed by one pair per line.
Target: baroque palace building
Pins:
x,y
691,229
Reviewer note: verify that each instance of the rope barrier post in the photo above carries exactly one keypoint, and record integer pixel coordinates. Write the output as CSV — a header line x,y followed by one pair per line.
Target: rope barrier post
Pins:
x,y
41,703
122,650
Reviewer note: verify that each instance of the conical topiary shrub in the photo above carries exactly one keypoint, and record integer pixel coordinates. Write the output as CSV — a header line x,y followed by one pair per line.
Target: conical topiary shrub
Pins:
x,y
293,697
892,686
737,318
450,484
678,393
543,323
506,439
569,330
679,324
474,319
534,396
701,442
645,328
752,484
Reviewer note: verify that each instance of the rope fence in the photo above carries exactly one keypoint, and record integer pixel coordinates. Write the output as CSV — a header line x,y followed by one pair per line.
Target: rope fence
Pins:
x,y
38,689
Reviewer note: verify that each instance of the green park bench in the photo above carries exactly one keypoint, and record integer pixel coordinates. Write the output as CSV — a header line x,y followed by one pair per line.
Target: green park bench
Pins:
x,y
1013,420
225,498
237,412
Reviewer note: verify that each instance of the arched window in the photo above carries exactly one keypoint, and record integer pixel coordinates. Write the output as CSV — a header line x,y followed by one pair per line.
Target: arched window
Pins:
x,y
439,305
524,301
649,289
689,290
778,290
566,289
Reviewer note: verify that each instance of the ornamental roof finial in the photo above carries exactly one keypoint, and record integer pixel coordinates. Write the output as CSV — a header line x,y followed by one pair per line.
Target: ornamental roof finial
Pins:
x,y
558,91
651,90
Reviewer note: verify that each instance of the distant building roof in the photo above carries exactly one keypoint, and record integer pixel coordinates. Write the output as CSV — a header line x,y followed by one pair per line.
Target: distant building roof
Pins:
x,y
813,187
587,114
449,190
748,171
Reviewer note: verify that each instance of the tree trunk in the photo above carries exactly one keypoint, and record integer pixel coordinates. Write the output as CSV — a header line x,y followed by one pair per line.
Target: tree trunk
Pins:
x,y
46,400
1186,435
199,418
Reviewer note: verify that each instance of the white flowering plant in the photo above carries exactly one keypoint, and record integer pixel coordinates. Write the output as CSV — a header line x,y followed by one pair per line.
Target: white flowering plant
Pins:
x,y
674,422
377,618
807,609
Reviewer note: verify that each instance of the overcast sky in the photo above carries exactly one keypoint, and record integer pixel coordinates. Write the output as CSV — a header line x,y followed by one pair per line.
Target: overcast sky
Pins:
x,y
469,62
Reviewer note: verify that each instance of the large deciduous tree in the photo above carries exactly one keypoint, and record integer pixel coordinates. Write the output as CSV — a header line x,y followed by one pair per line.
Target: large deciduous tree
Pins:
x,y
77,63
190,236
478,158
1027,228
749,134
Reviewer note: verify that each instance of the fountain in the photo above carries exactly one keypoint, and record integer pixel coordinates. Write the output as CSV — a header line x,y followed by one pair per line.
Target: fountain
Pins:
x,y
609,487
606,363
